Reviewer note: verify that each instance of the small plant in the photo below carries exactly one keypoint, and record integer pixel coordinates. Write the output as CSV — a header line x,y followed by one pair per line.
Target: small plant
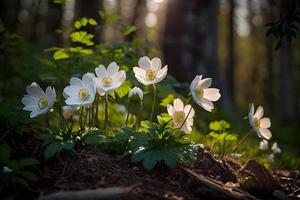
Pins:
x,y
14,173
221,135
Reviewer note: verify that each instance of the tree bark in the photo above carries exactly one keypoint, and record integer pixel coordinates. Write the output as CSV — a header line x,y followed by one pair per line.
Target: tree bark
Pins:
x,y
230,70
190,42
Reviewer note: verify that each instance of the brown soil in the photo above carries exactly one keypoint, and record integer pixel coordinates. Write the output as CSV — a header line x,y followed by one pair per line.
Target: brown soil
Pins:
x,y
91,168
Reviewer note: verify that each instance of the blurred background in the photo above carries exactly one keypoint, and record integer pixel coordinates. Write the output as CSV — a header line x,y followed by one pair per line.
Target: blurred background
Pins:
x,y
222,39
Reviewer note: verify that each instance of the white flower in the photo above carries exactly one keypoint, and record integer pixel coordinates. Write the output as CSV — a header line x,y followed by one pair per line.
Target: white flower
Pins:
x,y
37,101
7,169
263,145
109,79
271,157
202,94
80,92
136,94
150,72
181,114
275,148
259,124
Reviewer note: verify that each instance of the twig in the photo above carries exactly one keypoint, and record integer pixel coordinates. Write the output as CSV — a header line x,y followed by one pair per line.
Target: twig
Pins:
x,y
101,193
218,187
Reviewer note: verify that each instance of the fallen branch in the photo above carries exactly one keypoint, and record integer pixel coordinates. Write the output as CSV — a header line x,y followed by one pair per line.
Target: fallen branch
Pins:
x,y
218,187
101,193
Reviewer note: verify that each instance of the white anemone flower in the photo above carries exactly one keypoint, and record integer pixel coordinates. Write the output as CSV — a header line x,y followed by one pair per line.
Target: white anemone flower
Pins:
x,y
263,145
7,169
136,94
275,148
37,101
181,114
80,92
271,157
109,79
149,71
202,94
259,124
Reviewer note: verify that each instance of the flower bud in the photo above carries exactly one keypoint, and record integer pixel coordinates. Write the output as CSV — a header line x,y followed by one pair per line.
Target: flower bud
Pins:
x,y
136,94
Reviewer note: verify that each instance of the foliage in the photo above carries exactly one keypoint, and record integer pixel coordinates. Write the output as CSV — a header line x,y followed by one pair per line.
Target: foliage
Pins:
x,y
221,135
19,173
288,24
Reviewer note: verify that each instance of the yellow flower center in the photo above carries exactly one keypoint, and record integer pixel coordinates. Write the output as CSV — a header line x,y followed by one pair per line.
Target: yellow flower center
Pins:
x,y
83,94
256,122
150,74
200,92
106,81
179,116
43,102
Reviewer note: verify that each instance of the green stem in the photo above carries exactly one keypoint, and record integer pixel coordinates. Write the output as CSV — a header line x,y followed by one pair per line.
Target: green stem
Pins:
x,y
106,111
127,117
47,120
96,122
186,117
140,115
236,146
80,117
153,103
85,117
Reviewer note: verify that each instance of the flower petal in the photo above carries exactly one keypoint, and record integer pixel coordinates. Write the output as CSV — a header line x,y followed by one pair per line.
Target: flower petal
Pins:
x,y
29,100
204,83
145,63
187,111
265,122
156,64
204,103
178,105
259,112
170,109
194,83
35,90
35,113
100,71
212,94
161,74
265,133
75,82
112,69
119,76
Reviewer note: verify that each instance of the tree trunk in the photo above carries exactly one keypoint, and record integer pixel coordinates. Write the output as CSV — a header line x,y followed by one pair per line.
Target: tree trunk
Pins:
x,y
191,46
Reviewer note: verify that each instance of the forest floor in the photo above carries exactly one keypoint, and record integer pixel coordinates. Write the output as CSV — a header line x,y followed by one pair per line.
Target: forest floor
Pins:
x,y
88,171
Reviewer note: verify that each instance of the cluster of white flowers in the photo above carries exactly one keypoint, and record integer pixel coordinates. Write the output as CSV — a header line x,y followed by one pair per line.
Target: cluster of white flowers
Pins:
x,y
82,92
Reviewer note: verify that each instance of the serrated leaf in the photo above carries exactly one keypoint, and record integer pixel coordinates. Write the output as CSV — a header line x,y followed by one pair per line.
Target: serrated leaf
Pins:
x,y
170,157
60,54
51,150
28,162
151,157
82,37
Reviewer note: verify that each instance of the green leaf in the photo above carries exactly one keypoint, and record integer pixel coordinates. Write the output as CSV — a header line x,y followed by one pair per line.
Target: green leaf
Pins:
x,y
77,25
81,50
51,150
137,156
82,37
21,181
29,176
84,21
28,162
123,89
170,157
219,125
93,139
151,157
60,54
4,153
214,135
68,145
92,22
168,100
126,30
